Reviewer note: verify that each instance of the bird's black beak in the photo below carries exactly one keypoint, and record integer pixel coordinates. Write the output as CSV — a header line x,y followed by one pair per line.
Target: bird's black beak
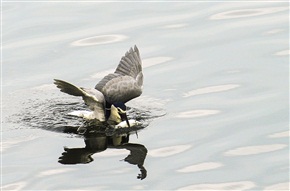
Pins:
x,y
124,117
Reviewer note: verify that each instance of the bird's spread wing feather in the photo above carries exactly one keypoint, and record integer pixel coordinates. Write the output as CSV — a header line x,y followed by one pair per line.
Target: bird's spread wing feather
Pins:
x,y
105,80
121,89
127,80
92,97
130,64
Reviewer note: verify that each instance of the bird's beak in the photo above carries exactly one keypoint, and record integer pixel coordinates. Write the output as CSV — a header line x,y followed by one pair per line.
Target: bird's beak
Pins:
x,y
124,117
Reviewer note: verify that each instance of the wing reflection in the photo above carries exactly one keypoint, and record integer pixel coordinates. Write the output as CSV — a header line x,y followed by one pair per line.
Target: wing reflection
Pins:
x,y
136,157
98,140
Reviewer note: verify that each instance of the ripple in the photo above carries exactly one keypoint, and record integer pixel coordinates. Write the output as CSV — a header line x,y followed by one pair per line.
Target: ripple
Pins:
x,y
283,53
102,74
14,186
252,150
211,89
279,186
280,134
96,40
168,151
138,187
233,71
7,144
54,172
45,87
148,62
196,113
149,102
120,171
9,7
274,31
247,13
175,26
242,185
201,167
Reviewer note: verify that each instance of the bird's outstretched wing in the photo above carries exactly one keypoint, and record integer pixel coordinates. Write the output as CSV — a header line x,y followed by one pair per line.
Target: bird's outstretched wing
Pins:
x,y
127,80
130,64
92,97
76,156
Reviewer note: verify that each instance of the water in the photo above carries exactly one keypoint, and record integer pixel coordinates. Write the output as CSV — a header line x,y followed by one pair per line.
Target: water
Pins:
x,y
215,93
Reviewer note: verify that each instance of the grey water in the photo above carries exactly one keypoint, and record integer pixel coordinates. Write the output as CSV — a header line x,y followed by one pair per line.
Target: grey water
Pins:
x,y
215,100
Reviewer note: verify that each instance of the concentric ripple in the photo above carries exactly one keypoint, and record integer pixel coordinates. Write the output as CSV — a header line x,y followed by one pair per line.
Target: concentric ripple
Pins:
x,y
247,13
98,40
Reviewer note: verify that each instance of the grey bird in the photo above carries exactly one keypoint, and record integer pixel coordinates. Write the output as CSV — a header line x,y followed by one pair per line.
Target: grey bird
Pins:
x,y
107,100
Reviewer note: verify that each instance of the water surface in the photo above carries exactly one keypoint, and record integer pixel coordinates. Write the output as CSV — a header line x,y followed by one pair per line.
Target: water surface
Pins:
x,y
216,85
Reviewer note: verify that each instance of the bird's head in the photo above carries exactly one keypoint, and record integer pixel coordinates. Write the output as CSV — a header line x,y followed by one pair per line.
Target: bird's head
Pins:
x,y
120,108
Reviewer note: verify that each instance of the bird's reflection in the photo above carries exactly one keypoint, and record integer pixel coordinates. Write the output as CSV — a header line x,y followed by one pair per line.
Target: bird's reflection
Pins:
x,y
98,139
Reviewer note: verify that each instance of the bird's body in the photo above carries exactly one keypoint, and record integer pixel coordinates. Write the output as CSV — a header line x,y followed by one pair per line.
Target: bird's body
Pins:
x,y
107,100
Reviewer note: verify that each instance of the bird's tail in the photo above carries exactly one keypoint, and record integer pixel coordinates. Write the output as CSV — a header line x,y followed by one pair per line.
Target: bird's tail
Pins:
x,y
68,88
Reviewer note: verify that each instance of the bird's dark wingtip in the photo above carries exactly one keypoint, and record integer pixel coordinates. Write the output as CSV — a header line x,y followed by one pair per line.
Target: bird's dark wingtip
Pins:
x,y
56,81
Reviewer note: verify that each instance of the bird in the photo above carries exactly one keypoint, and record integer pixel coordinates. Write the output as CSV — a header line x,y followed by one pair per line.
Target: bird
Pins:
x,y
108,98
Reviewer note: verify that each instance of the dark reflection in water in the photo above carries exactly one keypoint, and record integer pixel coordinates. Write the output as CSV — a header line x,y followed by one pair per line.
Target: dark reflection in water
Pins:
x,y
98,136
98,139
